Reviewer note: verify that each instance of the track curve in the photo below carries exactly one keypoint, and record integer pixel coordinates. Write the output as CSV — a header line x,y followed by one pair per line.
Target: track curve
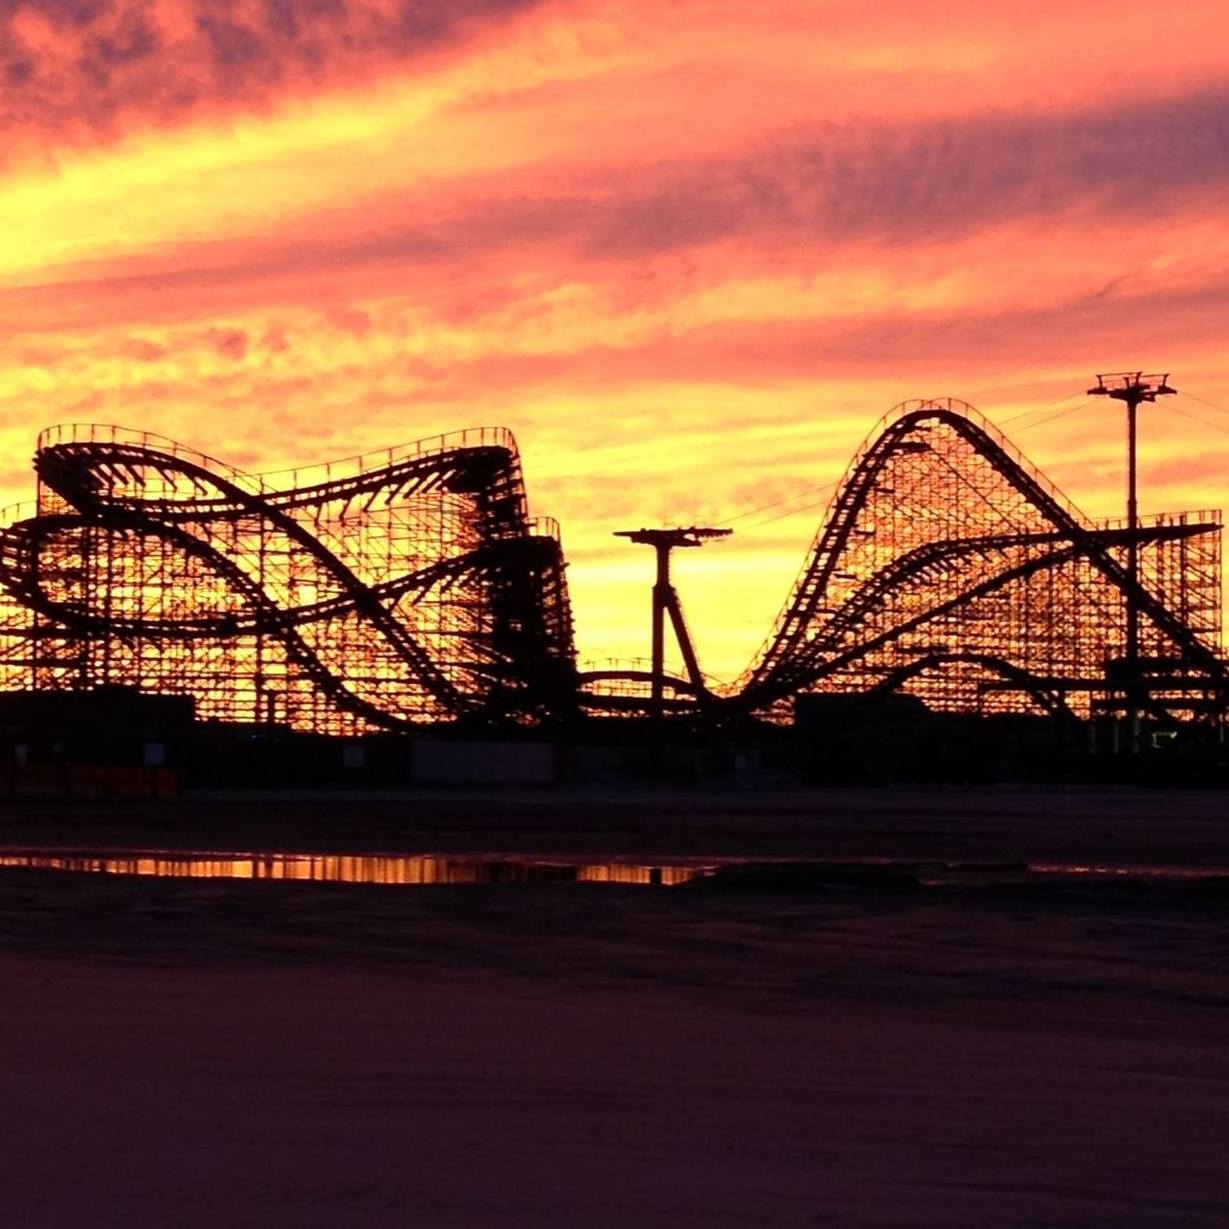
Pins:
x,y
139,540
829,621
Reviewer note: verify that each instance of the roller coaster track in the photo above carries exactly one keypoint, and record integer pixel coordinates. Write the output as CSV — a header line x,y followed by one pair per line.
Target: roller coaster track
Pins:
x,y
821,655
99,483
1045,699
87,473
411,585
818,633
19,556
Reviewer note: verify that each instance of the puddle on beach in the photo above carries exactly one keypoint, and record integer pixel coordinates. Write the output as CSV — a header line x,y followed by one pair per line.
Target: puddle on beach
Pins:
x,y
1130,872
419,869
392,869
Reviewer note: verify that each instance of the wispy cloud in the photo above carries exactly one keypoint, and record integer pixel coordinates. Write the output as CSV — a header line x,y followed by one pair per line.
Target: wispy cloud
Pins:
x,y
73,70
689,252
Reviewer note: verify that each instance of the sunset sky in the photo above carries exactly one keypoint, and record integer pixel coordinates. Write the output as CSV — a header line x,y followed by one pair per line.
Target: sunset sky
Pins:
x,y
688,251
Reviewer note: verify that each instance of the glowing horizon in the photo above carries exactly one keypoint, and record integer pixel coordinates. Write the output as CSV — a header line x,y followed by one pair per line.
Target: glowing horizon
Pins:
x,y
688,254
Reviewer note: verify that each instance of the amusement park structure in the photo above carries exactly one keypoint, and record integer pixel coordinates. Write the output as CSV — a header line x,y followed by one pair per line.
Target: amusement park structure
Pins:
x,y
411,587
666,602
949,566
395,588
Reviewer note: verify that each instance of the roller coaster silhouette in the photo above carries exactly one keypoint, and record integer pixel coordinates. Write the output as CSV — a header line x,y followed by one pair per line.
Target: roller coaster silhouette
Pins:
x,y
411,586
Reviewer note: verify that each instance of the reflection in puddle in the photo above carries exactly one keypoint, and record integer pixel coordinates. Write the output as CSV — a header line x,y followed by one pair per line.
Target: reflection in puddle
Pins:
x,y
412,869
1103,871
394,869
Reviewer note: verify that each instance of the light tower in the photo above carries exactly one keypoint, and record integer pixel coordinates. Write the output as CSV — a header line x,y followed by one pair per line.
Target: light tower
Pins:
x,y
1132,388
666,600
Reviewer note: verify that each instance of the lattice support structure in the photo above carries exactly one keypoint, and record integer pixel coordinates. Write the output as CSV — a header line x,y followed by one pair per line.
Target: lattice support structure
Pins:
x,y
948,566
396,588
411,586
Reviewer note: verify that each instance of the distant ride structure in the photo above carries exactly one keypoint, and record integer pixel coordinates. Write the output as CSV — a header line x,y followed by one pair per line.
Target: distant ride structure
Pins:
x,y
411,587
948,566
382,592
666,602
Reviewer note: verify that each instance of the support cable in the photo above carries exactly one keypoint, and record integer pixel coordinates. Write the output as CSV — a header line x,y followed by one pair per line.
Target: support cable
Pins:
x,y
777,503
1220,409
1215,426
1037,409
780,516
1048,418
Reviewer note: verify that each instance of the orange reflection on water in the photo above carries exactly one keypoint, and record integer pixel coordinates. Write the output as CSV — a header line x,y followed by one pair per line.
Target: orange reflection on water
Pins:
x,y
668,876
391,869
1134,871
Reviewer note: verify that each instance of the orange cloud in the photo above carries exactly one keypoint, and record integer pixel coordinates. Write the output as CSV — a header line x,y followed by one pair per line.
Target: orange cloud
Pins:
x,y
689,253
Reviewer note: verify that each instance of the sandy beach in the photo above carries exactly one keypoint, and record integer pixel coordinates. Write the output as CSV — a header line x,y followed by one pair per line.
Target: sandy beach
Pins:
x,y
231,1053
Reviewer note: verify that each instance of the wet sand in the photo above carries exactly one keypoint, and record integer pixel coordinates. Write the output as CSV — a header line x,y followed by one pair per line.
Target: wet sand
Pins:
x,y
1044,823
204,1053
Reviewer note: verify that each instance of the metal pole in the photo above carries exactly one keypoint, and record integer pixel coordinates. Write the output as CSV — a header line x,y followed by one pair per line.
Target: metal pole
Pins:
x,y
665,600
1132,646
661,594
1132,388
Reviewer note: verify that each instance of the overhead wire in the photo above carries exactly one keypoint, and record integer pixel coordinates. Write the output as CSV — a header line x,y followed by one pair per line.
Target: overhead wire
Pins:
x,y
827,486
1037,409
1041,422
1215,426
780,516
777,503
1220,409
1020,430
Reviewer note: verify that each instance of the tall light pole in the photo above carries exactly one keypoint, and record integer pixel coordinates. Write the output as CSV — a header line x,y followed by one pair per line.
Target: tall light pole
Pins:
x,y
1132,388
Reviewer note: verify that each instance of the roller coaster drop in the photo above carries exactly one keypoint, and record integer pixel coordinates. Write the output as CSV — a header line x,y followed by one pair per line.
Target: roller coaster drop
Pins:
x,y
411,586
396,588
946,558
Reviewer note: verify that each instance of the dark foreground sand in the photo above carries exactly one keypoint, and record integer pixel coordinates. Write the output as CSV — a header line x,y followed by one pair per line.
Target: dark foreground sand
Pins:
x,y
187,1053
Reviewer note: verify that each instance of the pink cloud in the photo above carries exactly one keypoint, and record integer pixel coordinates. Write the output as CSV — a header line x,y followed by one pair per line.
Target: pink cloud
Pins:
x,y
75,71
